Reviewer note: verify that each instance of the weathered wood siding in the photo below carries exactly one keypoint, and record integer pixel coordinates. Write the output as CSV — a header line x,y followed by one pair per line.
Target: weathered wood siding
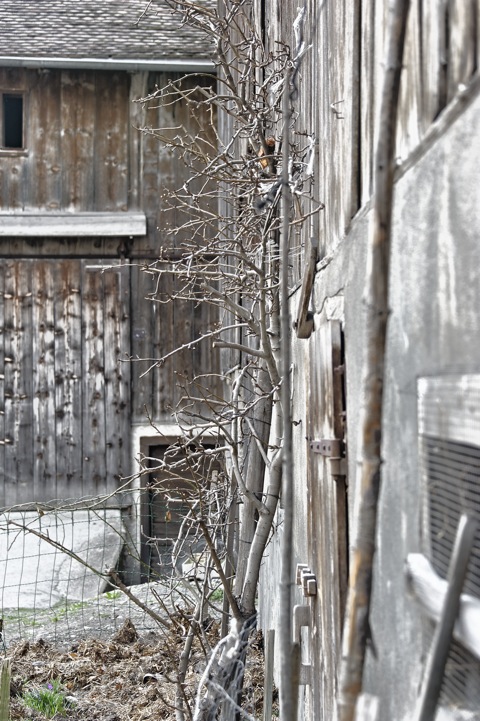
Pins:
x,y
64,395
340,84
339,87
158,328
85,152
76,130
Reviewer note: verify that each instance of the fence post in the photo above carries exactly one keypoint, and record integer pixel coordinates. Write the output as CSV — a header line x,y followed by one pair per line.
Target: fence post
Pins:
x,y
5,674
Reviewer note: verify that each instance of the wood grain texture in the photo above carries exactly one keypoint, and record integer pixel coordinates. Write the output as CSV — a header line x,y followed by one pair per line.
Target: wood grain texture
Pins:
x,y
93,361
68,379
117,372
326,520
77,112
44,409
45,165
111,141
65,397
18,371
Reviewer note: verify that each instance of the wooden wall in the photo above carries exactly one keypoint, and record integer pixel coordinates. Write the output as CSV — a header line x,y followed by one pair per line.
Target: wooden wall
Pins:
x,y
340,83
64,395
76,130
339,86
84,150
66,402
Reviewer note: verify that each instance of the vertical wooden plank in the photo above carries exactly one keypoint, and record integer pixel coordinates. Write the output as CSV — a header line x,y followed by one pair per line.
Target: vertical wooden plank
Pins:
x,y
117,372
323,122
11,383
111,141
25,390
163,380
351,106
5,677
409,126
182,367
433,60
3,434
269,667
171,173
13,195
462,56
42,486
155,165
93,363
68,378
340,118
18,381
206,360
379,33
142,286
44,184
138,90
367,60
77,139
327,507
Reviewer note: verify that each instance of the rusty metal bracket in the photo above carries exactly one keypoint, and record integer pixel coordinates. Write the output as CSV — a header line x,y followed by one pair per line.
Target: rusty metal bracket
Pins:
x,y
304,322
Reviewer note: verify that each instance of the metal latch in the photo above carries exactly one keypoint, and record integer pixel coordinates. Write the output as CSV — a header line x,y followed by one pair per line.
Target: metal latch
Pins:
x,y
302,617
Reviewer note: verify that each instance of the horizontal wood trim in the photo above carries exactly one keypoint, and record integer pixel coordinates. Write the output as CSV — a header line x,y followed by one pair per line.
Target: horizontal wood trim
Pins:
x,y
31,225
448,407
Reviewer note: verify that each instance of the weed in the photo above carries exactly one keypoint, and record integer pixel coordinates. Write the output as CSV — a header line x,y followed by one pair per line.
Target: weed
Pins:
x,y
63,610
49,700
216,595
111,595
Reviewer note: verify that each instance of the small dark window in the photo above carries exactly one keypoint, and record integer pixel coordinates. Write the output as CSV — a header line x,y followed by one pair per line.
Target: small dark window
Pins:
x,y
12,121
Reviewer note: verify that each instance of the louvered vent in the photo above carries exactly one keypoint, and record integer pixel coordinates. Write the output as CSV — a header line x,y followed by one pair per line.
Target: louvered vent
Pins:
x,y
449,426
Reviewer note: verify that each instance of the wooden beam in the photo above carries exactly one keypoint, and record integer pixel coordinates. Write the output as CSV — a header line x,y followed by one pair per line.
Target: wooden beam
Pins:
x,y
74,225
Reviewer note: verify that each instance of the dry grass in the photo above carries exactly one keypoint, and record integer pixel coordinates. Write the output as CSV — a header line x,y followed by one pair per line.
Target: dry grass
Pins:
x,y
126,678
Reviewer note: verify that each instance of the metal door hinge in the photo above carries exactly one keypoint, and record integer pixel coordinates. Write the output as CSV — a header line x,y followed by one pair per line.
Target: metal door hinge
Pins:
x,y
332,448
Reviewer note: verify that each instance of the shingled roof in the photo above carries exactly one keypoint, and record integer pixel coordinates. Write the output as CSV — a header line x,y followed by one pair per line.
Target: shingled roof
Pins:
x,y
110,30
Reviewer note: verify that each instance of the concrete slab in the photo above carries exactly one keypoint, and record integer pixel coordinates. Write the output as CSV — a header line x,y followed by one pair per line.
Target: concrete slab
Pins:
x,y
35,574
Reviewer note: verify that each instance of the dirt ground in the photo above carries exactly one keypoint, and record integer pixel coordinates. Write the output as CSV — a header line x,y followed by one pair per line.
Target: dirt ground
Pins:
x,y
127,677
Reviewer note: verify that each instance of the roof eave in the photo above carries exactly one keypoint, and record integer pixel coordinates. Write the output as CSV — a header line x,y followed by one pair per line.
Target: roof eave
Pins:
x,y
176,65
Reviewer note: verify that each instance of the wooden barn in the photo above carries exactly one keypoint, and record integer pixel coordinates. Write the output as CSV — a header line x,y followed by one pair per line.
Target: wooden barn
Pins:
x,y
430,426
81,213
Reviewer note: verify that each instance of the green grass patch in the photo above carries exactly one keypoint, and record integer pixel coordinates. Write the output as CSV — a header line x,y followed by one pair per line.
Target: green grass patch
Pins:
x,y
112,595
216,595
49,700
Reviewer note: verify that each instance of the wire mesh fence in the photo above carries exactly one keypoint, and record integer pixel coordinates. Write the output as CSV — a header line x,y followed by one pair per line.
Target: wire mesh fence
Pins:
x,y
79,569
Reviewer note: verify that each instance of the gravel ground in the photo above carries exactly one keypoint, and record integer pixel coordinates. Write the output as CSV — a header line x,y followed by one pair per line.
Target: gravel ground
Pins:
x,y
97,618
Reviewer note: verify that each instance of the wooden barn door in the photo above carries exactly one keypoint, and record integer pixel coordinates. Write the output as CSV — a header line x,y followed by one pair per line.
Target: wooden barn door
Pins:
x,y
327,501
64,394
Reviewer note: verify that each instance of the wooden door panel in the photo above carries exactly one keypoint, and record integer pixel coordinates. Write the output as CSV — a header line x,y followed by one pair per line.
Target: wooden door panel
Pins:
x,y
64,396
327,517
